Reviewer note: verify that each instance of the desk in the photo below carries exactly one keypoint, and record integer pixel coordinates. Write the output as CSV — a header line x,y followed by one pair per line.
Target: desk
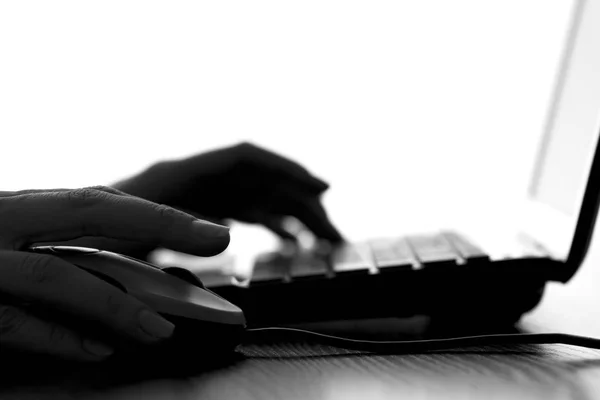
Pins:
x,y
302,372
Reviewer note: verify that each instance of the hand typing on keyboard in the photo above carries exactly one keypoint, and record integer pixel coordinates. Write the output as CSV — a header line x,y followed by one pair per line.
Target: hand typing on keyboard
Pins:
x,y
242,182
376,256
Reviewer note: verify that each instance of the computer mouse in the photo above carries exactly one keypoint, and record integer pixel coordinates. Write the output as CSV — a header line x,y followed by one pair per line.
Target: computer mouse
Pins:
x,y
205,323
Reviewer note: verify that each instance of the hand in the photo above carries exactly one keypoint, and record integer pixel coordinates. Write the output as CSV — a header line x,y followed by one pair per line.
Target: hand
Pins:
x,y
30,283
243,182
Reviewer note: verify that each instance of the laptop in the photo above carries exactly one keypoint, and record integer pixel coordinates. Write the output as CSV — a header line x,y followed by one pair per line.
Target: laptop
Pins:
x,y
448,275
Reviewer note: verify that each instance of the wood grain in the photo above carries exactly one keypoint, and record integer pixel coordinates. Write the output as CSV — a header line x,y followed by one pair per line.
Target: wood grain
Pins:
x,y
516,372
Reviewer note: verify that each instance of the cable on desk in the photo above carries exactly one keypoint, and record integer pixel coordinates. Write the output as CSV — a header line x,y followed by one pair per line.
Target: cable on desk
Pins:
x,y
417,346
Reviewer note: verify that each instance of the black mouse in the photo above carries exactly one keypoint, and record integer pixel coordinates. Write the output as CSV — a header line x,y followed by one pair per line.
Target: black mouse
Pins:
x,y
206,325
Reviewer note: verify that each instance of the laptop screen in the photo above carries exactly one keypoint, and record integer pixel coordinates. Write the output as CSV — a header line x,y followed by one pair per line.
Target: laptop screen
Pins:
x,y
574,119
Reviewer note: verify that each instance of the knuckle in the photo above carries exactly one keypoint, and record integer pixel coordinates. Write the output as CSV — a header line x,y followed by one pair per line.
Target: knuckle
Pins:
x,y
245,148
114,191
101,188
38,268
120,313
114,304
10,221
85,195
57,334
167,214
244,145
11,320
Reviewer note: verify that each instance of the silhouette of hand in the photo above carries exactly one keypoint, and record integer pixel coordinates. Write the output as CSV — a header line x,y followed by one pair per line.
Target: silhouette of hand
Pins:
x,y
242,182
39,293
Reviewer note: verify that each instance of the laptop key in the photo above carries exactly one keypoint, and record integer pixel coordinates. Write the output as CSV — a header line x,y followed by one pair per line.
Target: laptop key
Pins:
x,y
393,253
467,250
310,265
352,259
271,267
433,249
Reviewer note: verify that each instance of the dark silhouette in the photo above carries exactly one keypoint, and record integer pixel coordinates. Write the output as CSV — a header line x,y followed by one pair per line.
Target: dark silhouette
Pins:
x,y
43,299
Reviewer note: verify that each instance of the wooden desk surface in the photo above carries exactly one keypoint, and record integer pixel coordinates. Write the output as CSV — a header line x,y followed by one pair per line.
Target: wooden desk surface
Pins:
x,y
497,372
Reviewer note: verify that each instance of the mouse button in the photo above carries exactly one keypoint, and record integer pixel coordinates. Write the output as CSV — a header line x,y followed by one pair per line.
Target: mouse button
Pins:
x,y
42,249
184,274
136,260
174,295
224,310
60,250
199,311
73,250
105,278
115,267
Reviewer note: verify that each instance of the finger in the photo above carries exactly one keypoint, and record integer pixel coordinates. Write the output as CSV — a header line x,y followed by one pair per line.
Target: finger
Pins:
x,y
281,166
22,331
311,213
106,189
59,285
214,220
71,214
275,225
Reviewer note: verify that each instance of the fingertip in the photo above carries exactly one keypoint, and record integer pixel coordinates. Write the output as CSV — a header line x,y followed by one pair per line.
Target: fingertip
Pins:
x,y
337,239
155,326
96,349
215,250
210,229
334,237
212,238
319,184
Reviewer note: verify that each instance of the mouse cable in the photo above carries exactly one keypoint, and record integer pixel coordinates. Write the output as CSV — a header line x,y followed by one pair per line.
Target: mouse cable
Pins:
x,y
425,345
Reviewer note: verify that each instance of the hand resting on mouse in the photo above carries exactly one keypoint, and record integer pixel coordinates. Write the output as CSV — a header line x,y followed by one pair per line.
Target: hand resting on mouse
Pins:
x,y
30,283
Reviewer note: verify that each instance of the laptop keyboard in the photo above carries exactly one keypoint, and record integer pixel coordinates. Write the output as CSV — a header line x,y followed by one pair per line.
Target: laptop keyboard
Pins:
x,y
370,257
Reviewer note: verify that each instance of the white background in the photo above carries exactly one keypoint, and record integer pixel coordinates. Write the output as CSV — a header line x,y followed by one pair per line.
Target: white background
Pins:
x,y
415,112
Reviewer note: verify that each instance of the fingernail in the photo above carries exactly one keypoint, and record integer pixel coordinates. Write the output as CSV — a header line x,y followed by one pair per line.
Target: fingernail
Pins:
x,y
97,348
205,228
155,325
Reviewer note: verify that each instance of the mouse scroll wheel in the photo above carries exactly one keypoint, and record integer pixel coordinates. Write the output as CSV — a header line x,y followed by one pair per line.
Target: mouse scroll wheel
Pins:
x,y
184,274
